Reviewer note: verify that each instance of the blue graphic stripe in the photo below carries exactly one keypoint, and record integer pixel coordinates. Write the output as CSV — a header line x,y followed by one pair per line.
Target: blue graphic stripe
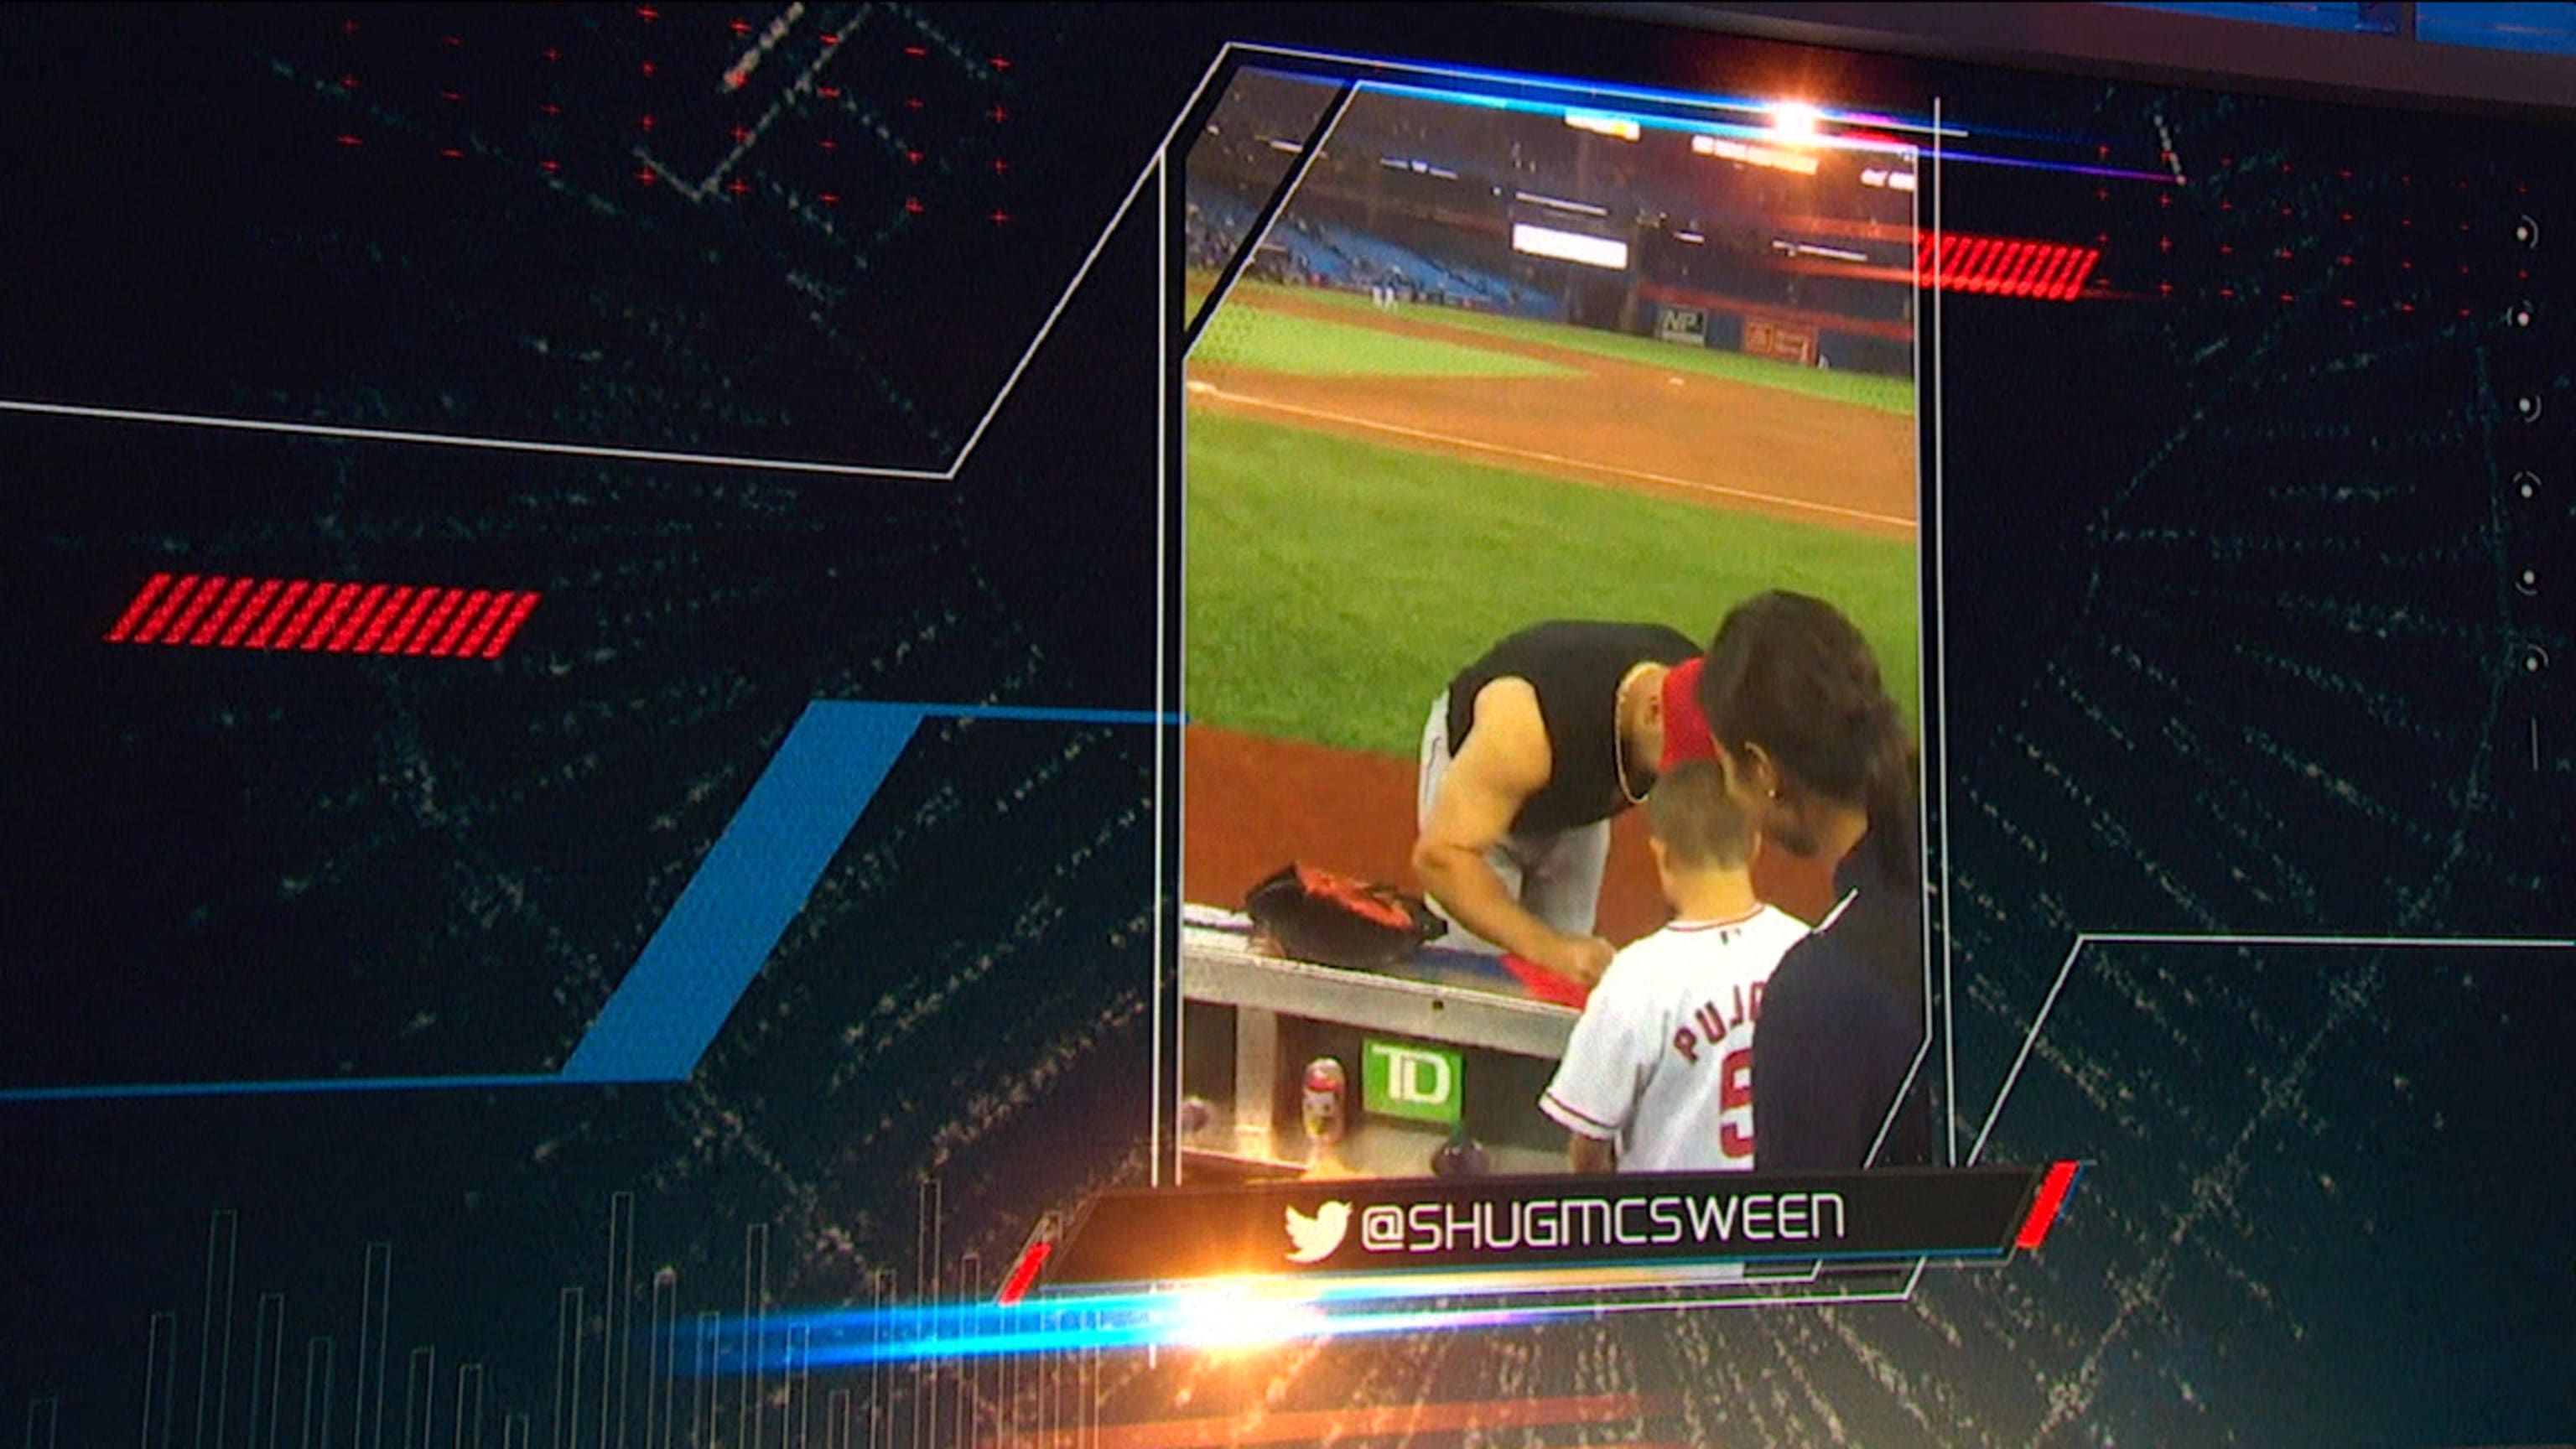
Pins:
x,y
730,916
753,882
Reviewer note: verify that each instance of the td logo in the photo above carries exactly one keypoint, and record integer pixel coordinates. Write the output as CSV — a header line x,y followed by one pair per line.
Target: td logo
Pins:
x,y
1422,1083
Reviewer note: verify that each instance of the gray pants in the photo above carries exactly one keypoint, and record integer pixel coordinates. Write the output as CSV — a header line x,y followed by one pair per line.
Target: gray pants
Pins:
x,y
1555,875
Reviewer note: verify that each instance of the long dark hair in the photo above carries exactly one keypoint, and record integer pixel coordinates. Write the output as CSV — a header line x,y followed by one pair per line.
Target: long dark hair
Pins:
x,y
1789,673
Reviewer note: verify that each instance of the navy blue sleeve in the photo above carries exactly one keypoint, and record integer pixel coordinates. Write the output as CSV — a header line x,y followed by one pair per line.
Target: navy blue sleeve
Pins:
x,y
1829,1053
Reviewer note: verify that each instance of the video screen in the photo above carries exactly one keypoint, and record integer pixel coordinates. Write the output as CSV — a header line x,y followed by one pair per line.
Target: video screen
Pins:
x,y
846,726
1483,394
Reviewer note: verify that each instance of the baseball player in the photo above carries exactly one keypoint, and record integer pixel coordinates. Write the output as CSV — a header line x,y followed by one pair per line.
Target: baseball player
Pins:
x,y
1658,1076
1526,756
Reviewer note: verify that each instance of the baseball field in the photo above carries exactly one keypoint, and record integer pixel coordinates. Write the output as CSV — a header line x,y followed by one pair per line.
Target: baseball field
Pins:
x,y
1375,495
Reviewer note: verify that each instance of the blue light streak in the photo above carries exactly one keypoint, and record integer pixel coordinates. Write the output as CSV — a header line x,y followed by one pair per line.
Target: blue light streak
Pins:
x,y
1758,129
1472,86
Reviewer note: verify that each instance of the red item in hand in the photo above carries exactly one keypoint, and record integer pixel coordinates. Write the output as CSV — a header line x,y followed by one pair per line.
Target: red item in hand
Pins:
x,y
1545,985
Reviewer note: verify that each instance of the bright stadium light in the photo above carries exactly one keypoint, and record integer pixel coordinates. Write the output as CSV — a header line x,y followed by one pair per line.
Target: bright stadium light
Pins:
x,y
1567,246
1794,122
1618,127
1802,163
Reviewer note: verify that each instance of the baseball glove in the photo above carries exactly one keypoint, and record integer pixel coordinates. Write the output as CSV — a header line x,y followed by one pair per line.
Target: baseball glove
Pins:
x,y
1336,920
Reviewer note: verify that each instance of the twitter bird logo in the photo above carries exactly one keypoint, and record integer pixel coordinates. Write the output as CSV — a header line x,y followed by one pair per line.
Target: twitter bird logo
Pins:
x,y
1312,1240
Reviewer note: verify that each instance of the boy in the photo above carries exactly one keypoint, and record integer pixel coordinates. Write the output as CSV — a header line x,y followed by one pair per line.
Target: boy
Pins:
x,y
1659,1074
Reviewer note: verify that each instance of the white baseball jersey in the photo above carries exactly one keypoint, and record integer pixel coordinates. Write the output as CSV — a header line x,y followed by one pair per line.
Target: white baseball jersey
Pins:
x,y
1662,1059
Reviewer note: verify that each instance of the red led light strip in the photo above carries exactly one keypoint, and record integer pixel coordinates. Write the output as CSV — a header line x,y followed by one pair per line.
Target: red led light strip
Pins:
x,y
221,612
2002,266
1025,1274
2044,1210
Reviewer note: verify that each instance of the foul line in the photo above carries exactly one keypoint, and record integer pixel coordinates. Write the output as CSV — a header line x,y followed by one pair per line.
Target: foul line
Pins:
x,y
1774,499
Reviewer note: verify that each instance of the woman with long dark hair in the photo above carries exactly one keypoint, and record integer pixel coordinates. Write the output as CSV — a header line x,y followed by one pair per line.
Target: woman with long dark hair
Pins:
x,y
1815,749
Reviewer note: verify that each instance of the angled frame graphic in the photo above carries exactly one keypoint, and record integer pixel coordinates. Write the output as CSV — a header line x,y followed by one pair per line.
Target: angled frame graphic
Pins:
x,y
2084,939
702,958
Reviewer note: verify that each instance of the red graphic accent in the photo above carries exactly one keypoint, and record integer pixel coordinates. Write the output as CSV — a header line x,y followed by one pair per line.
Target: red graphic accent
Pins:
x,y
321,615
283,610
451,631
399,641
224,612
339,628
2004,266
470,642
207,589
151,630
2043,1213
346,636
252,612
1024,1274
445,605
521,607
153,589
381,617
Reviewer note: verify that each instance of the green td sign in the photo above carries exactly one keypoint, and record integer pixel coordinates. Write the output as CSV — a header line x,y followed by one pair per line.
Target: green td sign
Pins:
x,y
1401,1079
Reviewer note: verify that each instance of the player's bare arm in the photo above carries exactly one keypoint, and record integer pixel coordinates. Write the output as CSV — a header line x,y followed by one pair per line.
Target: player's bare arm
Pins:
x,y
1505,761
1592,1156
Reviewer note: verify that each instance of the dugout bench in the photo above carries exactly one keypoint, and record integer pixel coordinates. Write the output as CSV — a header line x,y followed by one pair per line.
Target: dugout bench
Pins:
x,y
1445,1043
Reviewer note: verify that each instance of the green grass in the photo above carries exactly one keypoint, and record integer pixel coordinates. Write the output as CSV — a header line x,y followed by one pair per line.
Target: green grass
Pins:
x,y
1334,586
1245,336
1884,394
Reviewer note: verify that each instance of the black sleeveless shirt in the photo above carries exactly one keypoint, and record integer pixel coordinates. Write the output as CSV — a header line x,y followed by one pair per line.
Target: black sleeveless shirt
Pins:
x,y
1575,668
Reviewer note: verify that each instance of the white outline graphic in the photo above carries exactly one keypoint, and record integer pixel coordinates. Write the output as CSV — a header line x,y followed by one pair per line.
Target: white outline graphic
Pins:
x,y
1584,1300
2152,938
965,450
